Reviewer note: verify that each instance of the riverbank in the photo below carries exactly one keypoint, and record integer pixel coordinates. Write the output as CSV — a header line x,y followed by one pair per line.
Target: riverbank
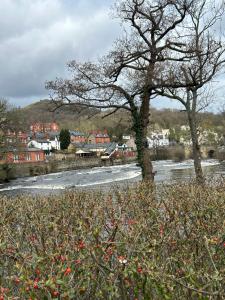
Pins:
x,y
60,162
115,245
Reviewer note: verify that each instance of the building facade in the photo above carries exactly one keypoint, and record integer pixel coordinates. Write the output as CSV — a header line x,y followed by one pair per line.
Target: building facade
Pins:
x,y
98,137
159,139
25,155
44,127
77,137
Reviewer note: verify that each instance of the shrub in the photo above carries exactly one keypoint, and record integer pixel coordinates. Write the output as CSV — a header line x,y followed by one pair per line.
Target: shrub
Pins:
x,y
178,155
131,244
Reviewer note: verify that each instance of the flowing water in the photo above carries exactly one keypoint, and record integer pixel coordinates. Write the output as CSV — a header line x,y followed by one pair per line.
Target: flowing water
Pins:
x,y
102,177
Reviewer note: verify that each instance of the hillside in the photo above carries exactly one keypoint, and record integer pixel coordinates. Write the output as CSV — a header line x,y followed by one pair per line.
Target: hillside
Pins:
x,y
74,117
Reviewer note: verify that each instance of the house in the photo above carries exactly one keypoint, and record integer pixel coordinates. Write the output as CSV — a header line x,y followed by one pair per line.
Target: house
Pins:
x,y
41,144
159,139
44,127
77,136
21,155
131,144
84,153
13,137
205,137
104,150
97,149
98,137
45,141
126,137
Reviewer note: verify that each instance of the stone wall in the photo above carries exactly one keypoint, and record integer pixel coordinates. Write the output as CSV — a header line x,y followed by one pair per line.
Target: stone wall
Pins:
x,y
12,171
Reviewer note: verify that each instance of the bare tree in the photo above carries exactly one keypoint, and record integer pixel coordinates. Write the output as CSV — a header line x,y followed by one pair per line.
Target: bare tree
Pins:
x,y
3,113
128,76
201,69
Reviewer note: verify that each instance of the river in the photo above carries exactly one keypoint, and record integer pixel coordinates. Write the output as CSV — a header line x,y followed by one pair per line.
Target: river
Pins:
x,y
102,177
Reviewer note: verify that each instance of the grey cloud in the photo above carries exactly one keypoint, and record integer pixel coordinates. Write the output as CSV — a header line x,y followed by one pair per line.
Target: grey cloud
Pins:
x,y
39,37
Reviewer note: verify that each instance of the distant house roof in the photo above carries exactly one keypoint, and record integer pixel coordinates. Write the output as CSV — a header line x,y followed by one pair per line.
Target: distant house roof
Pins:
x,y
76,133
40,141
111,147
42,135
53,133
33,149
100,134
26,149
107,147
82,152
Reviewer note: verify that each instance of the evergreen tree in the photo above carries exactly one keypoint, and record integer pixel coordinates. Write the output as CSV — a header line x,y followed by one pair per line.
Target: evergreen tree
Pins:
x,y
64,138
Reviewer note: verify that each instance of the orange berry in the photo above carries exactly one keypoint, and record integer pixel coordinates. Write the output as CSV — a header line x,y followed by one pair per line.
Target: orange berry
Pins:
x,y
67,271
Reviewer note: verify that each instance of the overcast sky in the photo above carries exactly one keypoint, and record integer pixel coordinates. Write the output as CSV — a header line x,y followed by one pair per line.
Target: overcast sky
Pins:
x,y
38,38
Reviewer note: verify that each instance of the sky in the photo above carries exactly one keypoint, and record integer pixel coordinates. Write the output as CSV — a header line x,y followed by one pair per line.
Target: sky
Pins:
x,y
38,38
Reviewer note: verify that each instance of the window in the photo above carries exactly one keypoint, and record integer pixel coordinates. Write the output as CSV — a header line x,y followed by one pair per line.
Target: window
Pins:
x,y
37,156
15,157
28,157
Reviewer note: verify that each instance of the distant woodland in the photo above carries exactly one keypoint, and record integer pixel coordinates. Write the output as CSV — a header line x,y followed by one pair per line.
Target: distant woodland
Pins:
x,y
75,118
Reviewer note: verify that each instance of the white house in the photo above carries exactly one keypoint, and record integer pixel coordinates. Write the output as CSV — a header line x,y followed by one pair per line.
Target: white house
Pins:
x,y
40,144
45,144
55,143
131,144
159,139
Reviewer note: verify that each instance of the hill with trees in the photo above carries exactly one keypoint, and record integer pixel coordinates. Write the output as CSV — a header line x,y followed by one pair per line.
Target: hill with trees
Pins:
x,y
76,118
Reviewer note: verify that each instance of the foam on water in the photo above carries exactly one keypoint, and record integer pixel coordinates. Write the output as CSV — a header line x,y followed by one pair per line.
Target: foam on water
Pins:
x,y
190,163
100,176
40,187
129,175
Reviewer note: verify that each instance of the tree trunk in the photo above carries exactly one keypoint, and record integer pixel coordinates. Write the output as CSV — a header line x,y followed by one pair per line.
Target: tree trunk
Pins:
x,y
141,121
195,146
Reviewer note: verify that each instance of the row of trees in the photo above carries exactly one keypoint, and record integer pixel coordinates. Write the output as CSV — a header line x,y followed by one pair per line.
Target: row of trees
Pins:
x,y
170,48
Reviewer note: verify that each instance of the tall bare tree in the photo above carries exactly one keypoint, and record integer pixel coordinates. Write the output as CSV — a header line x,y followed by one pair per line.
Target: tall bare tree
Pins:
x,y
3,113
199,70
128,76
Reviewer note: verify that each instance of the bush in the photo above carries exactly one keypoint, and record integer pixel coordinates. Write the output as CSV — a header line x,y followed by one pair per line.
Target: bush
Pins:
x,y
178,155
120,245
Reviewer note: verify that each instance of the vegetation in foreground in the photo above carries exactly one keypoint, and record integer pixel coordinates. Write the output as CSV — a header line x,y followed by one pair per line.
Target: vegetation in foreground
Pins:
x,y
123,245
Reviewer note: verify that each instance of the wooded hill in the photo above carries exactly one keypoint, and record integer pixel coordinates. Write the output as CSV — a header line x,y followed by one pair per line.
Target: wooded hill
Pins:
x,y
73,117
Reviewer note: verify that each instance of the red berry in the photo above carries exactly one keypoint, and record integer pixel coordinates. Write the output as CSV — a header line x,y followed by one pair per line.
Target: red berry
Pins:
x,y
35,285
38,272
55,294
81,245
67,271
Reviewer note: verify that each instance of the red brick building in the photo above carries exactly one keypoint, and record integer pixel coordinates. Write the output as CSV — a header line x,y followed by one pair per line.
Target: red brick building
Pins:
x,y
25,155
77,137
99,137
44,127
12,137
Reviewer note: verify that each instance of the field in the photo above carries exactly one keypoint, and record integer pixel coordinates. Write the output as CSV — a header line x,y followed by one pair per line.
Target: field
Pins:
x,y
140,243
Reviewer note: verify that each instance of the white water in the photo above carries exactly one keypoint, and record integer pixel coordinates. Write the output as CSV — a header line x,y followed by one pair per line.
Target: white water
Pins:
x,y
165,171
